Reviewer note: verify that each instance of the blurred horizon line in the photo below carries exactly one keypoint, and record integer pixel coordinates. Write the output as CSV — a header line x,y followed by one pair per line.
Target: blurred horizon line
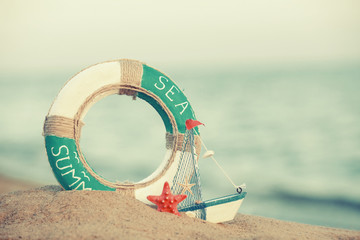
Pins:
x,y
166,66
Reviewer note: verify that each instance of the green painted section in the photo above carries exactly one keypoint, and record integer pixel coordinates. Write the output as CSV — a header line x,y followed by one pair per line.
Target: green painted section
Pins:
x,y
163,87
69,171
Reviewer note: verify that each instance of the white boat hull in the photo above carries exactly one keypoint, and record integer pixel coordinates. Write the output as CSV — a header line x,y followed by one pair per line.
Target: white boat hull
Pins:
x,y
219,209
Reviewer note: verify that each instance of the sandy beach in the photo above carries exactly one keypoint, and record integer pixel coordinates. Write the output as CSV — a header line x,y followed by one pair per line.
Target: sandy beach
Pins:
x,y
49,213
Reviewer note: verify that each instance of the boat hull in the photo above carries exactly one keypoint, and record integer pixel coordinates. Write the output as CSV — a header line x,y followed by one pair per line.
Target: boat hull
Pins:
x,y
219,209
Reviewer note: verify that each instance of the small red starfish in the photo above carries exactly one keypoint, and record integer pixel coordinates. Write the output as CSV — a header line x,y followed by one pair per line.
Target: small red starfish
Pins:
x,y
167,202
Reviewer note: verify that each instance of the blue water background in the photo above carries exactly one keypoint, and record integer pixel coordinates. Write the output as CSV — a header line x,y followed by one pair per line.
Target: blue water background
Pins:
x,y
292,134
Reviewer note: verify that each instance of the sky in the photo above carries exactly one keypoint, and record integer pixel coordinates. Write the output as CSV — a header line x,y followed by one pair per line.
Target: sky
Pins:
x,y
53,35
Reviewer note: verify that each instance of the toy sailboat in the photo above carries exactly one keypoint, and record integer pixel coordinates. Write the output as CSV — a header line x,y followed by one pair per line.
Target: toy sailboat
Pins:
x,y
187,181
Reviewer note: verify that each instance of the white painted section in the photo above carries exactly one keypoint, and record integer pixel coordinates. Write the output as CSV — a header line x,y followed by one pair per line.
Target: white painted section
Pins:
x,y
82,85
223,212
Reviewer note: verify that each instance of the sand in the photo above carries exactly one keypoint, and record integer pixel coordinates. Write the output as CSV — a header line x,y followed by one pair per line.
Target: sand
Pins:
x,y
50,213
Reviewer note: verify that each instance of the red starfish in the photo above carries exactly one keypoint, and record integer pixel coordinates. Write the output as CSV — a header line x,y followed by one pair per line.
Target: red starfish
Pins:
x,y
167,202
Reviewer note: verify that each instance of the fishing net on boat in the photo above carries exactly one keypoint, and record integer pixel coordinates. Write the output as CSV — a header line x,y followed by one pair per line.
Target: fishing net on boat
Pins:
x,y
187,177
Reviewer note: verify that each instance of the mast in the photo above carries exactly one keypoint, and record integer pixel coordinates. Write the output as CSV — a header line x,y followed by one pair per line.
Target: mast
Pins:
x,y
187,177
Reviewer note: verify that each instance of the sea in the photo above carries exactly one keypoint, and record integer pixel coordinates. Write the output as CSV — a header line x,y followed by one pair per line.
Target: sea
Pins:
x,y
290,133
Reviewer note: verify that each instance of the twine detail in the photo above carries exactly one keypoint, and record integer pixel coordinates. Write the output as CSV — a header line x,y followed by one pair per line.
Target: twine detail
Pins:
x,y
131,75
170,139
128,192
62,126
128,92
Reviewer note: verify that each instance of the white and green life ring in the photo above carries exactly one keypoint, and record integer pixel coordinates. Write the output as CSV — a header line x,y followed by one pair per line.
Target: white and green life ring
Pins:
x,y
63,123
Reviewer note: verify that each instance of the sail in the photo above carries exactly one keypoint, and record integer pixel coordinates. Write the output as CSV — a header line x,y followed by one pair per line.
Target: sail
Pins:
x,y
187,177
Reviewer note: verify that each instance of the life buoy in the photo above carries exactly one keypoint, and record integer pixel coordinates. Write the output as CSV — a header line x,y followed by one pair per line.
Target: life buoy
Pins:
x,y
64,120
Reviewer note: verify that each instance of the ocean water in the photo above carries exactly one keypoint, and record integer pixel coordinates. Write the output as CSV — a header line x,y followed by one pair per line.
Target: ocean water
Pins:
x,y
292,134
